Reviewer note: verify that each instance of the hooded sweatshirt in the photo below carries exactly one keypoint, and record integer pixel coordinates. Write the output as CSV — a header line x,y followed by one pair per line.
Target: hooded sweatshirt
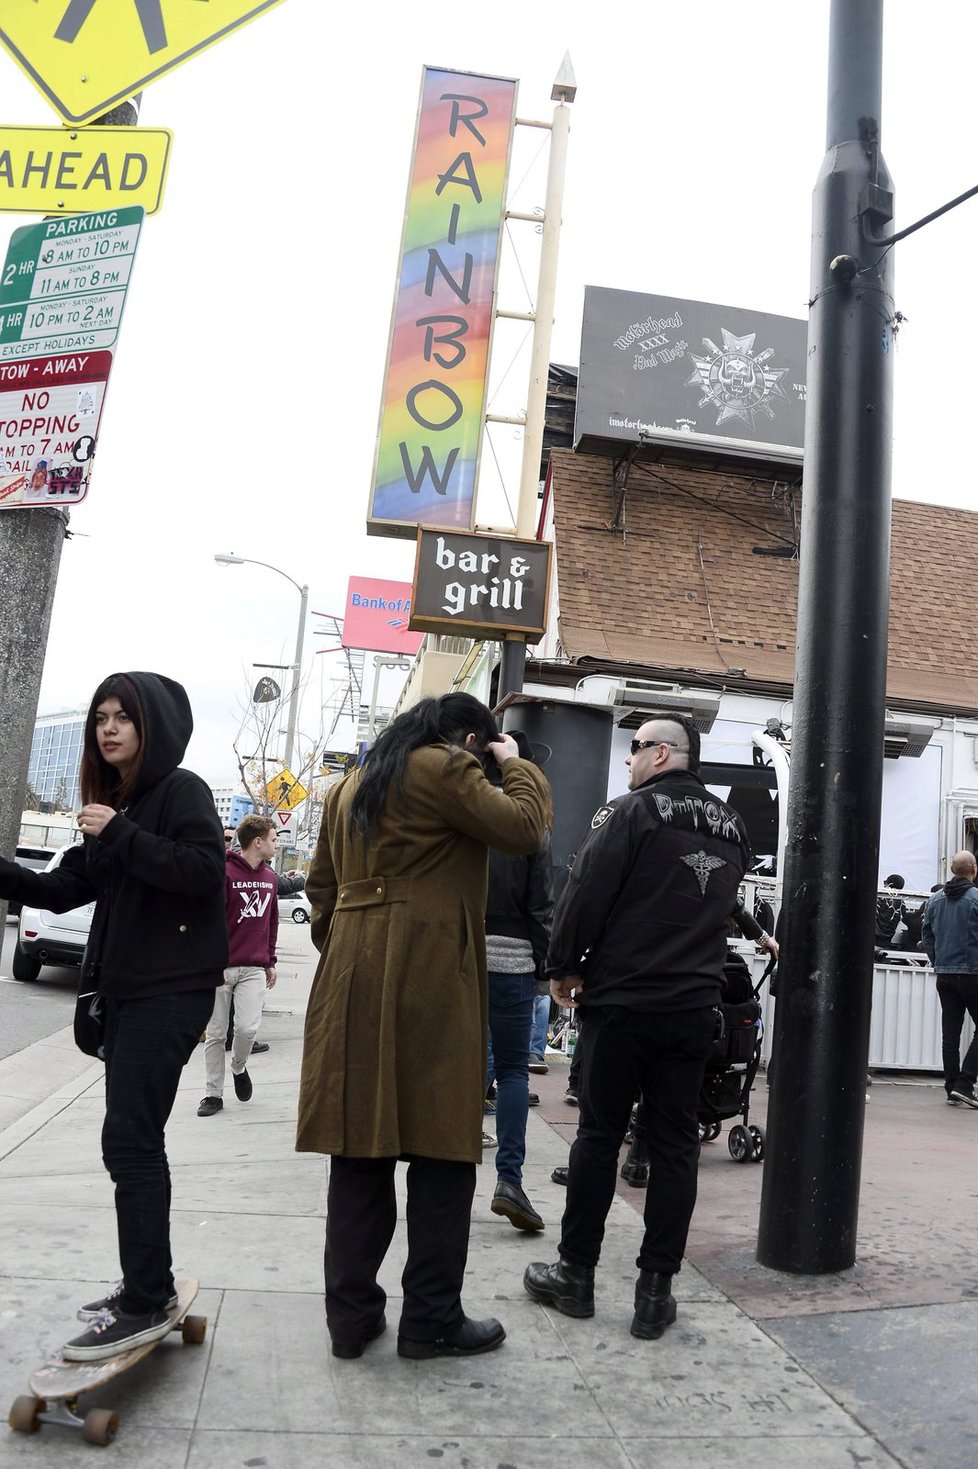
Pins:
x,y
156,871
252,913
950,928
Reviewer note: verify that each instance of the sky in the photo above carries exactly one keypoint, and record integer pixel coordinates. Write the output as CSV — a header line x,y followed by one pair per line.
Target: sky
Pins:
x,y
242,411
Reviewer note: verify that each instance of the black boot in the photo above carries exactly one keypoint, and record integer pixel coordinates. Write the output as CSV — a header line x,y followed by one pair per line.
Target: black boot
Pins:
x,y
655,1305
635,1169
567,1287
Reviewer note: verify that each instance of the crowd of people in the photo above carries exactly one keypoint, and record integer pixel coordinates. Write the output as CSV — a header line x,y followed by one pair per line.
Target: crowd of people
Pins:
x,y
432,908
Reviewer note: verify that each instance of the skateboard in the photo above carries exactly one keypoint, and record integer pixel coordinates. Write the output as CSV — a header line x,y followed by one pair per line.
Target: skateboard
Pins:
x,y
56,1386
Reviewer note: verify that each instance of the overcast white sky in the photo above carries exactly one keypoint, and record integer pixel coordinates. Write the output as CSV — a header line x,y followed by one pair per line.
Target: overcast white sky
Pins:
x,y
243,406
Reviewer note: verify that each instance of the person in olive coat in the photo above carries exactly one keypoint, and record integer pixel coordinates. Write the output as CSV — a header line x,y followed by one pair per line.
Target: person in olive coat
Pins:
x,y
395,1036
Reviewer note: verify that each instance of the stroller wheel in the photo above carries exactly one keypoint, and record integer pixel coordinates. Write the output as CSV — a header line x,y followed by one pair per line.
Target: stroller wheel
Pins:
x,y
740,1144
710,1131
757,1133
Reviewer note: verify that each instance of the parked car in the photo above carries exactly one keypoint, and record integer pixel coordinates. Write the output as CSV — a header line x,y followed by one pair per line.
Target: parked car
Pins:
x,y
29,854
44,937
297,907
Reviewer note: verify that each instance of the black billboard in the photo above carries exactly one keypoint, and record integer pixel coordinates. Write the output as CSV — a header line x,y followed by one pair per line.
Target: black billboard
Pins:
x,y
661,370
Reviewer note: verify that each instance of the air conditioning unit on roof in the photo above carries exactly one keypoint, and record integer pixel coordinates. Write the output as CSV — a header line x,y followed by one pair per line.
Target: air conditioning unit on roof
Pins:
x,y
905,737
634,701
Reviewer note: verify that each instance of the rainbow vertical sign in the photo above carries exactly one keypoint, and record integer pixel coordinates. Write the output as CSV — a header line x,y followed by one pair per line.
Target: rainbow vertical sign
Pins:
x,y
433,407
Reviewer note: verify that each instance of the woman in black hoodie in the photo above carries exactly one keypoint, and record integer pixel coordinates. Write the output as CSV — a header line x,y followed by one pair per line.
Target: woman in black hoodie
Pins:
x,y
152,858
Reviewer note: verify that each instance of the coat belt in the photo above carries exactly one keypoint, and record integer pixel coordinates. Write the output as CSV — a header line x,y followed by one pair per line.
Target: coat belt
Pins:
x,y
370,892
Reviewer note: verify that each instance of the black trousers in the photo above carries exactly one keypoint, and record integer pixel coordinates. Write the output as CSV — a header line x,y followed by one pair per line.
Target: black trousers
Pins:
x,y
663,1055
361,1214
958,994
147,1044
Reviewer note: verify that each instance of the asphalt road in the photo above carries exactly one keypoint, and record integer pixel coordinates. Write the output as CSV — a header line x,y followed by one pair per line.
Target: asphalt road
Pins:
x,y
29,1012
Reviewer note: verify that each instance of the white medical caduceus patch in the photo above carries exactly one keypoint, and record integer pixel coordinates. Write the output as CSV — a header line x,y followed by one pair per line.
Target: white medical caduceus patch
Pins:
x,y
703,866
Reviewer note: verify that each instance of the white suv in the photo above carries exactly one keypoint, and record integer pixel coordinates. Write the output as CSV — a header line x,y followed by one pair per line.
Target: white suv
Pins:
x,y
44,937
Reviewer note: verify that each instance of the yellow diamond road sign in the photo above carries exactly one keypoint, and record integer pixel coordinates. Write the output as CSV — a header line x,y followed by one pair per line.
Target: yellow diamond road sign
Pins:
x,y
284,792
86,56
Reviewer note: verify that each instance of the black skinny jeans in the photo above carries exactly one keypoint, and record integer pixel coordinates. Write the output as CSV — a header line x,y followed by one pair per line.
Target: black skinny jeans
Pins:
x,y
958,994
147,1044
663,1055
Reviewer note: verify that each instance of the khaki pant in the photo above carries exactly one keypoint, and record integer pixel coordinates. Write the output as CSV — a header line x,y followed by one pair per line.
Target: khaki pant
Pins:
x,y
247,985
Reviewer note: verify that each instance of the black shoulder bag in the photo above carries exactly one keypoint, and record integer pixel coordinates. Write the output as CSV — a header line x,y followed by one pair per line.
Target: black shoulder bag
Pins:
x,y
89,1021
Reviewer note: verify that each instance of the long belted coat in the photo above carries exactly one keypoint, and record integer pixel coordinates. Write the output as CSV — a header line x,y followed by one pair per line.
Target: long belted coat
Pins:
x,y
395,1037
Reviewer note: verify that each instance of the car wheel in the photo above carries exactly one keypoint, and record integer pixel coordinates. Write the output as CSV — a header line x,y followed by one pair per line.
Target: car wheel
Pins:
x,y
299,915
25,966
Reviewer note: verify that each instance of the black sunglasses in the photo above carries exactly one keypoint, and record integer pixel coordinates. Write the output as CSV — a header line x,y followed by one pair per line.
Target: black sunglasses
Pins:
x,y
637,745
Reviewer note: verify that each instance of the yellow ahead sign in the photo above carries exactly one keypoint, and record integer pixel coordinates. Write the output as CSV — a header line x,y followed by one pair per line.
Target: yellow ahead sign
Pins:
x,y
76,171
86,56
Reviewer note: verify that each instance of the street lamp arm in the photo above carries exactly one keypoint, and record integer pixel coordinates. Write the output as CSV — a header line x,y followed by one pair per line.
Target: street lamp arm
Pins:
x,y
250,561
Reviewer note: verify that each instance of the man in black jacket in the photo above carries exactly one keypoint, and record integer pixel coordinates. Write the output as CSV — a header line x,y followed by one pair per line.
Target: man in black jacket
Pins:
x,y
639,942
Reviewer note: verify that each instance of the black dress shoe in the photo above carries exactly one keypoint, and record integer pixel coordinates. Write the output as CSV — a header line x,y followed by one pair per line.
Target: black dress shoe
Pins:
x,y
467,1340
567,1287
655,1305
561,1175
350,1349
510,1201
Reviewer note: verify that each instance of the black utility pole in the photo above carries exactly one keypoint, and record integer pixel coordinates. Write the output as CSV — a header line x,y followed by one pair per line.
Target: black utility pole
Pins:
x,y
810,1196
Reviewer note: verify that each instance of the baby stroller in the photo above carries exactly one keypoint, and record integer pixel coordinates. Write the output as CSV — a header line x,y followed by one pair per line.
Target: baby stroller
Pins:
x,y
732,1064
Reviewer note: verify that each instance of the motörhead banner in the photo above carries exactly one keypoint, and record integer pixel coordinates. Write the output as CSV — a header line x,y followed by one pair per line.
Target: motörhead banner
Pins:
x,y
661,370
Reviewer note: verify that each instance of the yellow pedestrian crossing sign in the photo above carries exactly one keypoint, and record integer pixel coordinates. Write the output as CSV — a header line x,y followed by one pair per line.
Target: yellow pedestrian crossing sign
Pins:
x,y
86,56
283,791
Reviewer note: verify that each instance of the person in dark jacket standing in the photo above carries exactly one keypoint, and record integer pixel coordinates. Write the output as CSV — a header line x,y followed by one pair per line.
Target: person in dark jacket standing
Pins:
x,y
639,942
152,858
519,912
950,939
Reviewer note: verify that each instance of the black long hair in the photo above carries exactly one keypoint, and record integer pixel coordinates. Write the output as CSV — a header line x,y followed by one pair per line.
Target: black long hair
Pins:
x,y
100,782
430,722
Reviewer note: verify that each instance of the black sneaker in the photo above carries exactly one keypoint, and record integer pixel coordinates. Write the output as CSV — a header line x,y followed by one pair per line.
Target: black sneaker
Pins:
x,y
965,1094
258,1048
112,1332
242,1086
571,1097
209,1105
109,1303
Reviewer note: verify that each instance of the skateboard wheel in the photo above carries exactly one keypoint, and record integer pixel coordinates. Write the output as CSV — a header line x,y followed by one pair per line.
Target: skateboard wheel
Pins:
x,y
100,1426
193,1330
24,1411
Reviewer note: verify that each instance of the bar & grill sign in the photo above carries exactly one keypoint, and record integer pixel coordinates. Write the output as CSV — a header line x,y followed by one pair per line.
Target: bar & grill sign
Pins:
x,y
480,586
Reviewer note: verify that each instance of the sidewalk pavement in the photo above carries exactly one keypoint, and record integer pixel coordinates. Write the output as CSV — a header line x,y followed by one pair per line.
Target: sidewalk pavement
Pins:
x,y
871,1367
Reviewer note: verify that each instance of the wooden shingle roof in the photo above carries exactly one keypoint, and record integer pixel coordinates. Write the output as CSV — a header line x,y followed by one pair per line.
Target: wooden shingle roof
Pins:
x,y
698,579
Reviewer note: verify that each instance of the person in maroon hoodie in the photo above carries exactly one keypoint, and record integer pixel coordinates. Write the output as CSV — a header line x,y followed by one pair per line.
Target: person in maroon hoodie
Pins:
x,y
252,917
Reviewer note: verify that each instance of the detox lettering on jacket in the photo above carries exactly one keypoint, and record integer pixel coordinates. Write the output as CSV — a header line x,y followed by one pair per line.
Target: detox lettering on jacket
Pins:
x,y
717,818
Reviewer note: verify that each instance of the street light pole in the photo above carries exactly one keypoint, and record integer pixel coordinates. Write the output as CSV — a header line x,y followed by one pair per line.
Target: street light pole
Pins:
x,y
231,560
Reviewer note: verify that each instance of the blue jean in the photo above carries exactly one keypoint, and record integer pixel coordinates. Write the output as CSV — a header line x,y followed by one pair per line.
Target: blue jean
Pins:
x,y
510,1017
540,1026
